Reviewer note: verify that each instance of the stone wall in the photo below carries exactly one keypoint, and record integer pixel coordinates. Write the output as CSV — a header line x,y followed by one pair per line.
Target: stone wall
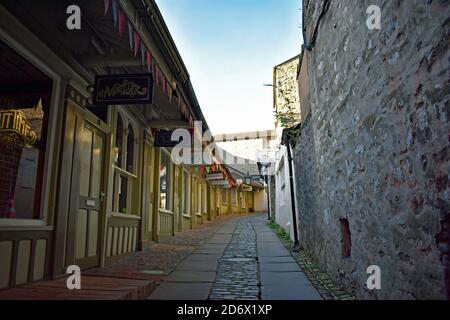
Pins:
x,y
375,148
286,88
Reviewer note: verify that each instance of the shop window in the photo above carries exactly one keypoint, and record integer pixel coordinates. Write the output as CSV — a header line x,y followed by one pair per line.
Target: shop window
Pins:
x,y
242,200
234,197
165,181
346,241
199,198
197,193
119,141
204,199
123,195
224,196
125,179
130,149
25,95
186,192
217,194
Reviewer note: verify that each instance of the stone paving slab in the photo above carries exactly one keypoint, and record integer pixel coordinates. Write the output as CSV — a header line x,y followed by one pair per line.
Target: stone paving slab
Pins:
x,y
279,267
273,253
285,259
181,291
280,275
191,276
197,266
203,257
279,292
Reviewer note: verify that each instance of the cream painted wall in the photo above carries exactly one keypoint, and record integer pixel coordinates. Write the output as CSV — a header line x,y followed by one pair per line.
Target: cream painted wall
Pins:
x,y
260,201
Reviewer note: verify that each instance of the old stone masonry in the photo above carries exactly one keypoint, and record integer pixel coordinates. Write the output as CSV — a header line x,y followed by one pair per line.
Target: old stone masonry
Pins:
x,y
243,260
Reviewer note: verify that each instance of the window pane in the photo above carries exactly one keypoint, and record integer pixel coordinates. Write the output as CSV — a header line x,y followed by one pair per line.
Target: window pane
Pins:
x,y
186,192
130,149
123,192
224,196
119,141
164,182
24,109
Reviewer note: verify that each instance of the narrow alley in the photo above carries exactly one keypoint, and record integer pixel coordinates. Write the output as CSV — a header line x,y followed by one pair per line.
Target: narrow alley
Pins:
x,y
243,260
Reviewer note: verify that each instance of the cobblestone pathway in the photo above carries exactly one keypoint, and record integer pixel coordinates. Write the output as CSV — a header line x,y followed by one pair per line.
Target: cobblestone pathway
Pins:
x,y
242,260
237,274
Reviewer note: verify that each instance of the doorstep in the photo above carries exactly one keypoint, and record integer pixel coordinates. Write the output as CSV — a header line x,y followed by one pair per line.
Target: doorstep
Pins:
x,y
93,287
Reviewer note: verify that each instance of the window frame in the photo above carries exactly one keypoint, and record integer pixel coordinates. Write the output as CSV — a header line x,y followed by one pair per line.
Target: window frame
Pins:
x,y
234,197
120,169
46,216
169,183
224,199
186,193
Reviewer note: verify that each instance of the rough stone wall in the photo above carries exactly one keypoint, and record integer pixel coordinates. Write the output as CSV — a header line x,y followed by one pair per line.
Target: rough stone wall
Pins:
x,y
376,148
286,88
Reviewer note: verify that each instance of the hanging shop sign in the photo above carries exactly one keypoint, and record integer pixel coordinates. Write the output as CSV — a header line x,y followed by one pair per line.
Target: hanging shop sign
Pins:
x,y
163,138
220,183
214,176
266,156
123,89
246,188
15,129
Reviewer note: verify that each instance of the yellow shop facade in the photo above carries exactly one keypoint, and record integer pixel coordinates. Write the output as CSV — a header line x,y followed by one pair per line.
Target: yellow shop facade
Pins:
x,y
85,184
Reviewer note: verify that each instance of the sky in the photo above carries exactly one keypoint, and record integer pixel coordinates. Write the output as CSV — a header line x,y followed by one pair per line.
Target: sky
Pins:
x,y
230,48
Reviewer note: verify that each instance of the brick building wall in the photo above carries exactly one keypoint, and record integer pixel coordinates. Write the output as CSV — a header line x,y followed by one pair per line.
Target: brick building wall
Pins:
x,y
374,150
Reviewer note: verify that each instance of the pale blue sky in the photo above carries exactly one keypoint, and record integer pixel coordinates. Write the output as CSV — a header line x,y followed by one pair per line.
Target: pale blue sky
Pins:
x,y
230,48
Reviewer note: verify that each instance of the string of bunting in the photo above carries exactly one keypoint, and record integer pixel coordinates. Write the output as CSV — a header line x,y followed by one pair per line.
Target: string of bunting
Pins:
x,y
121,22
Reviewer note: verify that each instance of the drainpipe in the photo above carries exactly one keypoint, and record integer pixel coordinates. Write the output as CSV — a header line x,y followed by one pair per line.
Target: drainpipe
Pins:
x,y
269,209
291,183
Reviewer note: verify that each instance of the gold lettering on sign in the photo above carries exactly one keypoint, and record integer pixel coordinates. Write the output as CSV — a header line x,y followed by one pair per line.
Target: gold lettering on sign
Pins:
x,y
126,88
14,125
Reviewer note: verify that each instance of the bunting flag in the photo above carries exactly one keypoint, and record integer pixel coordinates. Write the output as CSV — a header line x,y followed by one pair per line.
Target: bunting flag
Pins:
x,y
115,11
143,49
163,84
169,88
130,34
106,3
136,42
149,61
208,169
157,75
122,20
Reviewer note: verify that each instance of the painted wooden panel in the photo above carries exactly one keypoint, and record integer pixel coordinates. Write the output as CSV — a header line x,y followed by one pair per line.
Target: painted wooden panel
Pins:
x,y
120,242
93,233
109,242
39,259
6,248
85,162
82,219
186,223
97,159
125,239
130,240
134,238
114,242
23,261
166,223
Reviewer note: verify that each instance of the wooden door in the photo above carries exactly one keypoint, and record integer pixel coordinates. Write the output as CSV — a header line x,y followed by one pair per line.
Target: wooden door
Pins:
x,y
89,213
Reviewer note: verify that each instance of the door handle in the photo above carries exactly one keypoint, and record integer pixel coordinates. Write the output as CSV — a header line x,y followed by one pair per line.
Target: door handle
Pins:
x,y
102,196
